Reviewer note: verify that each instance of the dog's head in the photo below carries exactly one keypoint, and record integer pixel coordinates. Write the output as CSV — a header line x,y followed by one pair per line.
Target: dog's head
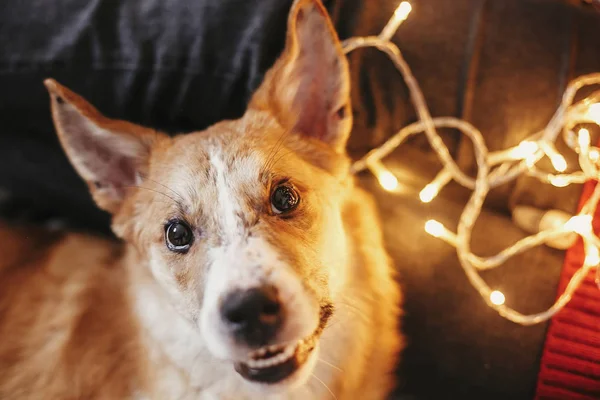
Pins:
x,y
241,224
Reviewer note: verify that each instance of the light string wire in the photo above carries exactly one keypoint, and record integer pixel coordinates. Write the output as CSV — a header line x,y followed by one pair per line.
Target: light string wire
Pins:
x,y
497,168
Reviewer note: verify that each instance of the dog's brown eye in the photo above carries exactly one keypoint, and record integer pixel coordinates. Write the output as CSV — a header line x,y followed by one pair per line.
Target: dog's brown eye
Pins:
x,y
284,199
178,236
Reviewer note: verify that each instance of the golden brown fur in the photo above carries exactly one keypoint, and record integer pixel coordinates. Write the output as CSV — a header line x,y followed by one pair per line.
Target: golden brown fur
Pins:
x,y
65,321
85,318
68,331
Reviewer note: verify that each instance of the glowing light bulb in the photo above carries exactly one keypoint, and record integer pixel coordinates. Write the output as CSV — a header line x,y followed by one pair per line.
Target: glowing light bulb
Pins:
x,y
403,10
583,138
593,113
435,228
530,161
559,181
400,15
497,298
431,190
388,181
533,220
592,256
558,162
526,149
429,193
580,224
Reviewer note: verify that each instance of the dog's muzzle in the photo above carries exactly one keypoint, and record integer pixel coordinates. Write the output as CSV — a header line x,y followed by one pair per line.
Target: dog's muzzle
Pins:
x,y
254,316
272,364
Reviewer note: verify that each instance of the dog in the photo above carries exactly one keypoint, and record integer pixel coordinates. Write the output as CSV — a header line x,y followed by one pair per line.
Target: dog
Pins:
x,y
251,264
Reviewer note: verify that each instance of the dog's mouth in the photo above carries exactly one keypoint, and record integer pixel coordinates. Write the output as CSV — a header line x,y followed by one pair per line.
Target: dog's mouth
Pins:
x,y
272,364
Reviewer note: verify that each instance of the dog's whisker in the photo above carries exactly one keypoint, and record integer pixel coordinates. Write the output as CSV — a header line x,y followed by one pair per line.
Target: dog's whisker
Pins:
x,y
352,307
345,311
331,365
349,305
283,155
155,191
271,152
278,142
275,150
326,387
165,186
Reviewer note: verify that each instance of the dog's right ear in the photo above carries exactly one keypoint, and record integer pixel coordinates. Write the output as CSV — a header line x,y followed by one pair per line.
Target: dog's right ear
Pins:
x,y
308,88
110,155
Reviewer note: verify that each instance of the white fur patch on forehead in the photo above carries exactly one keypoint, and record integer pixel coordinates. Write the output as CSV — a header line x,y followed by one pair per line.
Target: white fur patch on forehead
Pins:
x,y
234,176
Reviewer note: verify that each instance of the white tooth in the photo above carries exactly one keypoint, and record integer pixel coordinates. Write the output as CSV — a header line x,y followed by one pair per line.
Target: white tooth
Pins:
x,y
285,354
255,364
273,348
258,353
289,350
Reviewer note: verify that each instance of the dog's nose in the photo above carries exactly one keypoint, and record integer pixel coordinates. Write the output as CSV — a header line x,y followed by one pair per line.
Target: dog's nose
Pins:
x,y
253,316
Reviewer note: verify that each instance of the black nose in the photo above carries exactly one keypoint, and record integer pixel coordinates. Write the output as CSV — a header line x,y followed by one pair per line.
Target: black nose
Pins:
x,y
254,316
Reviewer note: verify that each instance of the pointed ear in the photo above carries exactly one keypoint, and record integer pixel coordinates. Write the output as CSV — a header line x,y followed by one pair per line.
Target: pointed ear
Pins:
x,y
109,155
308,87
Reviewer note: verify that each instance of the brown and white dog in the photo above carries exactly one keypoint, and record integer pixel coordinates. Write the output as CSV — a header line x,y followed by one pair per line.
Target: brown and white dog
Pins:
x,y
252,266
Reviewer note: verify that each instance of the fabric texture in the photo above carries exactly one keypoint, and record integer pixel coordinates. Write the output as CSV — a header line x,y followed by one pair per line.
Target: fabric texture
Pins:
x,y
570,366
180,66
173,65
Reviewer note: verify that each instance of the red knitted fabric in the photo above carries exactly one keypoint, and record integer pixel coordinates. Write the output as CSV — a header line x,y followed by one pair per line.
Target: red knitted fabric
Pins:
x,y
570,367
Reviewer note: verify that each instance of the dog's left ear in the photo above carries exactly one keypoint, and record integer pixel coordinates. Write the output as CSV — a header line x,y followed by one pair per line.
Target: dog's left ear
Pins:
x,y
308,87
110,155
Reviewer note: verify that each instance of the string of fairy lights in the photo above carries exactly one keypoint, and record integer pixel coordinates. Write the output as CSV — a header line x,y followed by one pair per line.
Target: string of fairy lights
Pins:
x,y
496,168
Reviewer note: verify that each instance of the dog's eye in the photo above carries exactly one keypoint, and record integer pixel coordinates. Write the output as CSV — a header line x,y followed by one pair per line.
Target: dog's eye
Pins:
x,y
178,236
284,199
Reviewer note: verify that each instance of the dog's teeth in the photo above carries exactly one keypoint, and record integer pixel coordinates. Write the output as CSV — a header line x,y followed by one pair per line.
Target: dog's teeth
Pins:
x,y
289,351
261,363
274,348
285,354
277,361
258,353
